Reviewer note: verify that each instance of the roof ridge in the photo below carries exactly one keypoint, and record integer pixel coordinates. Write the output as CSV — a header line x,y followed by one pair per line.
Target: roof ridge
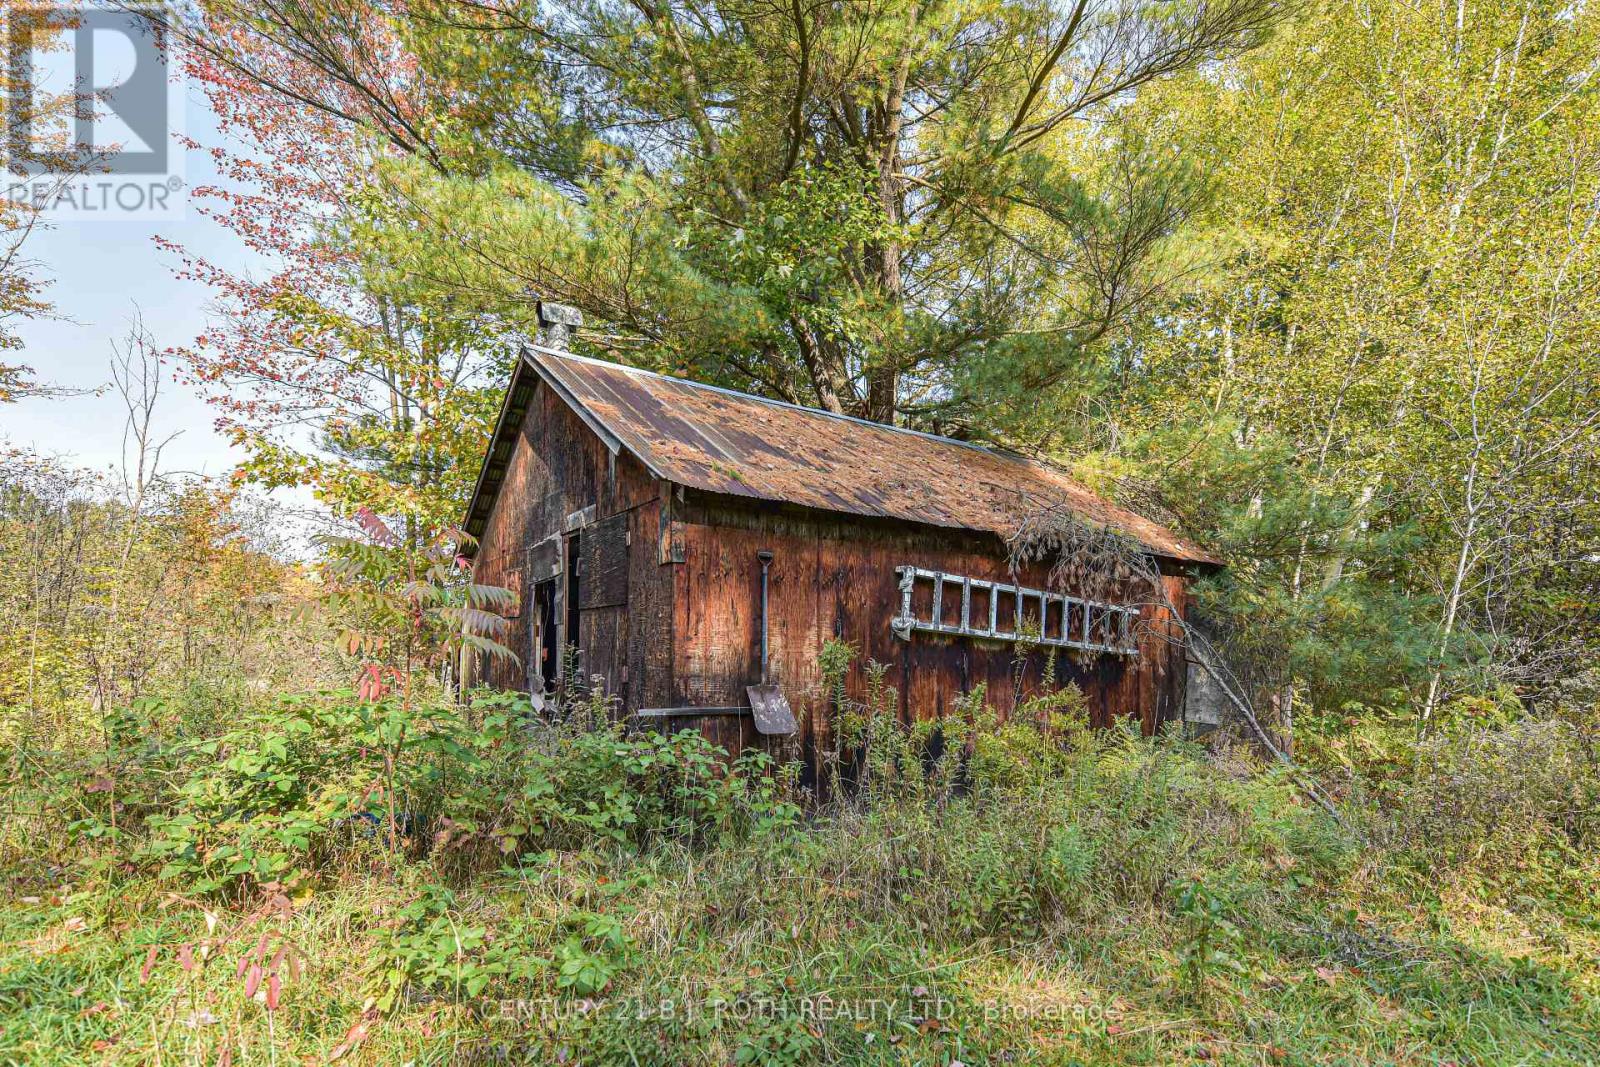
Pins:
x,y
583,380
725,391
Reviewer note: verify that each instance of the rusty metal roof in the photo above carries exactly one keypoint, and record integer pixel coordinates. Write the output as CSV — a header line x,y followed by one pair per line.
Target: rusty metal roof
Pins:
x,y
722,441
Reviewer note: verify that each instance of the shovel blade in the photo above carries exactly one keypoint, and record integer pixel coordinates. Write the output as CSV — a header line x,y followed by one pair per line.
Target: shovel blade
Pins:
x,y
771,711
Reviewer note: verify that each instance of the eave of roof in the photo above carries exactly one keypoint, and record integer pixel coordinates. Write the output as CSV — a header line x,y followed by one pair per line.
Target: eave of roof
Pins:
x,y
714,439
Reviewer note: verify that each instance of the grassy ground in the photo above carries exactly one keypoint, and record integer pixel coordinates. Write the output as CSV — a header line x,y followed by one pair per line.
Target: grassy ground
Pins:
x,y
1131,902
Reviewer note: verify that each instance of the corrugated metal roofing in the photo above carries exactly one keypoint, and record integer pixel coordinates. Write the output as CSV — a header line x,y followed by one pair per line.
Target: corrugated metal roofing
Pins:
x,y
721,441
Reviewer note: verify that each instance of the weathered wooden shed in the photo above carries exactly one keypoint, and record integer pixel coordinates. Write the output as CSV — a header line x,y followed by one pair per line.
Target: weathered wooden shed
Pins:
x,y
636,515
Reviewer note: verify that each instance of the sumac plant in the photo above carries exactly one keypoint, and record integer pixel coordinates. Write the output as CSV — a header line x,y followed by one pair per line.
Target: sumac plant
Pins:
x,y
404,606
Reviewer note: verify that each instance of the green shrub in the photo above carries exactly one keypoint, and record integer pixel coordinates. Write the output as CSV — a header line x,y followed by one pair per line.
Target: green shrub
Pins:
x,y
432,946
1497,799
1048,820
595,951
1208,936
293,791
549,786
275,799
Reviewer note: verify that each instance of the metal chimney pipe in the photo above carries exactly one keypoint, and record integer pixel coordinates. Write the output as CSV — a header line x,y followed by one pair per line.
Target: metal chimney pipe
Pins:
x,y
765,556
557,323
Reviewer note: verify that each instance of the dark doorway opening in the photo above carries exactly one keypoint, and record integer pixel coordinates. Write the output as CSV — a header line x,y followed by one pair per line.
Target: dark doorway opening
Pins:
x,y
544,652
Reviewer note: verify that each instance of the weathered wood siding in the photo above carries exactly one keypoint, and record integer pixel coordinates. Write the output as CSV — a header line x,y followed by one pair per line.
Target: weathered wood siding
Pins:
x,y
558,468
669,598
835,578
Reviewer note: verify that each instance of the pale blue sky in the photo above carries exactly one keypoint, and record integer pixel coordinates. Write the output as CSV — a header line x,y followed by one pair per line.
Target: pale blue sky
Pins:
x,y
102,272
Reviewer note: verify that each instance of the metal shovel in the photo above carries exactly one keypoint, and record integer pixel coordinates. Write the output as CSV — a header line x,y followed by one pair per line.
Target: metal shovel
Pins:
x,y
767,704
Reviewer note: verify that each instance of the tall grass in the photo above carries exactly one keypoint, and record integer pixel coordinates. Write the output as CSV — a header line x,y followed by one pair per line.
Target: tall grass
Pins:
x,y
980,891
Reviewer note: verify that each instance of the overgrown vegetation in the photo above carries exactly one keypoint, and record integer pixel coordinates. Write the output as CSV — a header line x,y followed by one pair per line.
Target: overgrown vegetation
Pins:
x,y
108,598
1314,283
1027,891
226,865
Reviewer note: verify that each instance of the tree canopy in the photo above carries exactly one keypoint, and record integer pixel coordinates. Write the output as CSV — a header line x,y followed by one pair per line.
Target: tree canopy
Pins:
x,y
1314,283
877,208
